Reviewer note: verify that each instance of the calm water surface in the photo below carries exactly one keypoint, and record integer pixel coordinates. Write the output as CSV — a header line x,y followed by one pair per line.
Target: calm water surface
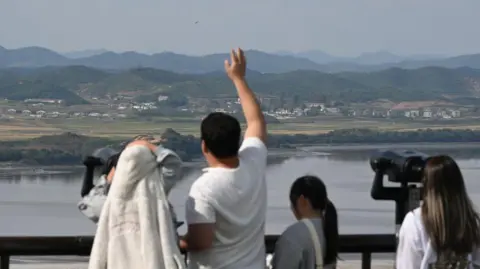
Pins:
x,y
46,204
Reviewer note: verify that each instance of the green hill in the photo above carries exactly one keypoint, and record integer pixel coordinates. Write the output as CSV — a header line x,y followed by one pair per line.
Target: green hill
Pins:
x,y
70,77
427,78
394,84
24,89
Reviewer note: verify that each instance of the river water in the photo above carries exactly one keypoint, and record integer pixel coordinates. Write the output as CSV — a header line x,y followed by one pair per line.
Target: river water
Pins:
x,y
40,204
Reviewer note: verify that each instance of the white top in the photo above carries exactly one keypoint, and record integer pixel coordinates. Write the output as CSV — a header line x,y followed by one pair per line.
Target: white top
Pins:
x,y
236,201
414,248
135,229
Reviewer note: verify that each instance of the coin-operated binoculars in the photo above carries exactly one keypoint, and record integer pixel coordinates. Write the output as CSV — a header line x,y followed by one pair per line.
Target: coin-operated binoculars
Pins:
x,y
404,167
97,159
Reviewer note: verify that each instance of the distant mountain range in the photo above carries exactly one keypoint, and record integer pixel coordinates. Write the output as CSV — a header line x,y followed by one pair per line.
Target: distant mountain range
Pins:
x,y
258,61
76,84
84,53
369,58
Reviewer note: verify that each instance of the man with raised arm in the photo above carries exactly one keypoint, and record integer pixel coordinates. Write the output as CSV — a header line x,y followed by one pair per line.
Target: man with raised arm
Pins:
x,y
226,206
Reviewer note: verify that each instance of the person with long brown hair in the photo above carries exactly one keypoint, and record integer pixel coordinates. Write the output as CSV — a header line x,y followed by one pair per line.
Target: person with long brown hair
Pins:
x,y
444,232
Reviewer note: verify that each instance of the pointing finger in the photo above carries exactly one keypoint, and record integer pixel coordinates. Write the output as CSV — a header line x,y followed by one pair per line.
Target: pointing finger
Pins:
x,y
241,55
234,57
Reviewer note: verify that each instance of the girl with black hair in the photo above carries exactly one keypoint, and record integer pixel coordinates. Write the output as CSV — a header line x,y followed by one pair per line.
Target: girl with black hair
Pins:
x,y
312,242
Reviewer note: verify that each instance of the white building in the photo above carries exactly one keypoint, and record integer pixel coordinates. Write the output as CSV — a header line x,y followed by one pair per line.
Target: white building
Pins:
x,y
427,113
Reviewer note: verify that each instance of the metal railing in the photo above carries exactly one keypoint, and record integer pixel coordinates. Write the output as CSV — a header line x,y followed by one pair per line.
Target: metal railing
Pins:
x,y
365,244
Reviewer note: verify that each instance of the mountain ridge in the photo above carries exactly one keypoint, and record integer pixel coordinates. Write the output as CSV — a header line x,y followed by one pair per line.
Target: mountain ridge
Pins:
x,y
75,83
258,61
83,53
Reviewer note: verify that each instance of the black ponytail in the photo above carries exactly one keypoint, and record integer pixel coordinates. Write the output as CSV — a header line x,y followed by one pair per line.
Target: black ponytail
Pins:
x,y
330,228
313,189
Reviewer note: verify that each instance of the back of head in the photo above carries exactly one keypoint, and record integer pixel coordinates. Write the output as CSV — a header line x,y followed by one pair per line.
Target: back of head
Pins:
x,y
448,215
314,190
220,134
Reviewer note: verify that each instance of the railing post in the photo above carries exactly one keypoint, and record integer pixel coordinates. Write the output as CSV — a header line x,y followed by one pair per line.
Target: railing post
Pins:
x,y
366,260
4,262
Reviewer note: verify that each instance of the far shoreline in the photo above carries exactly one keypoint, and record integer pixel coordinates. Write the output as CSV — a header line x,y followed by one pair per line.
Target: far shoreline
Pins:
x,y
300,150
374,146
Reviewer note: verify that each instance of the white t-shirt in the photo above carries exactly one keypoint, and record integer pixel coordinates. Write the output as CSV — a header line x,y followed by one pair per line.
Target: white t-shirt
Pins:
x,y
236,201
414,249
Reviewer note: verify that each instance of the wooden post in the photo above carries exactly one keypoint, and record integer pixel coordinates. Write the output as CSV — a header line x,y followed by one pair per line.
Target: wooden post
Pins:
x,y
366,260
4,262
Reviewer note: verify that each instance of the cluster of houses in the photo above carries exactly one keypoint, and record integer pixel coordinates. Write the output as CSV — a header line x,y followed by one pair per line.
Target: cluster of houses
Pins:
x,y
41,102
37,108
427,110
432,113
57,114
141,106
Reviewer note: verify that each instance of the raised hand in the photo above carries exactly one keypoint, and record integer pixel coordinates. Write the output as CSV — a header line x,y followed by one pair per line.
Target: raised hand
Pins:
x,y
256,126
237,66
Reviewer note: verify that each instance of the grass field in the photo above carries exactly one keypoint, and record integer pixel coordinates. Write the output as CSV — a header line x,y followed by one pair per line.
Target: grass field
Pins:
x,y
29,128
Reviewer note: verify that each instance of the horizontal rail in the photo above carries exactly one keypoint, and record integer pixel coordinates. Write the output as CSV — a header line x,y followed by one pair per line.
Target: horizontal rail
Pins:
x,y
366,244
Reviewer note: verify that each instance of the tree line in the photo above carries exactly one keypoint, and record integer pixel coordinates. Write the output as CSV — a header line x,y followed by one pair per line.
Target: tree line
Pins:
x,y
188,146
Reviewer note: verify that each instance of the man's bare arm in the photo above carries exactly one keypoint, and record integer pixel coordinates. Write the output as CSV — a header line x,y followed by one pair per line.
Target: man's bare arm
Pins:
x,y
200,216
256,125
198,238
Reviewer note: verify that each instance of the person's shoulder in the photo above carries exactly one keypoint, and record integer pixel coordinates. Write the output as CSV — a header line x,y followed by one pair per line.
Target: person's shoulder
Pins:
x,y
253,142
254,152
205,185
294,232
201,181
413,221
415,215
207,177
416,212
164,154
296,227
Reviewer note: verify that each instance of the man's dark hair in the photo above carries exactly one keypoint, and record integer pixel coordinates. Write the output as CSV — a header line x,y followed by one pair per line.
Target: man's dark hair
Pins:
x,y
221,134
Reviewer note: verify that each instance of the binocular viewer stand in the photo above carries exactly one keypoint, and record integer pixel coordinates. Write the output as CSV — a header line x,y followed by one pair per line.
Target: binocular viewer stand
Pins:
x,y
407,196
404,168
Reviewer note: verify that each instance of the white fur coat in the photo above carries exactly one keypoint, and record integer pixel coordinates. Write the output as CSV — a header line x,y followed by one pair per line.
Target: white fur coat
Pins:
x,y
135,230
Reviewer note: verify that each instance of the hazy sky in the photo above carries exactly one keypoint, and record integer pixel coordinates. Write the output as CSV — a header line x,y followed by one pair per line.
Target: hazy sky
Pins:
x,y
341,27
